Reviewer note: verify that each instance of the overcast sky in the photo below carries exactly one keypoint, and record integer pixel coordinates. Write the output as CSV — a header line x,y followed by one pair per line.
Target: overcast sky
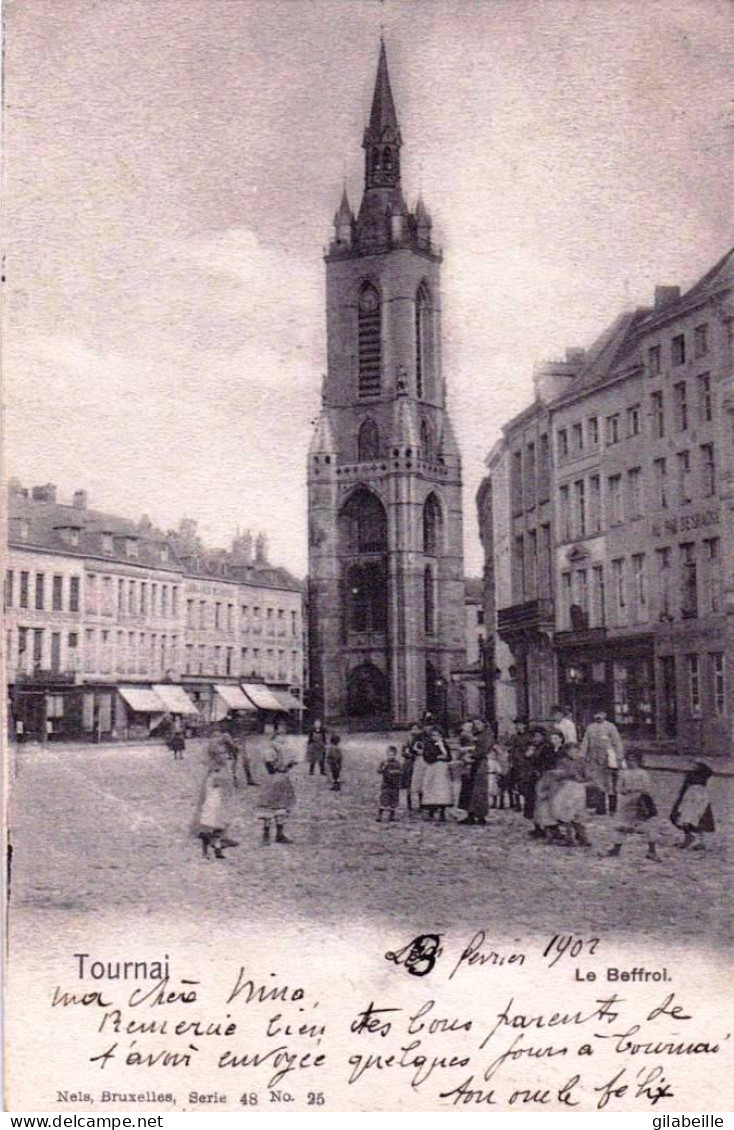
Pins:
x,y
172,172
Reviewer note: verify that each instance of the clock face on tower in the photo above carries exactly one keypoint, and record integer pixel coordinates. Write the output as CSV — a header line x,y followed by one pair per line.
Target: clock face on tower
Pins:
x,y
368,300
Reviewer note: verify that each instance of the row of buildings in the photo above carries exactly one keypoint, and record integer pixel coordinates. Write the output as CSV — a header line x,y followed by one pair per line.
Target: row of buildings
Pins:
x,y
607,520
110,624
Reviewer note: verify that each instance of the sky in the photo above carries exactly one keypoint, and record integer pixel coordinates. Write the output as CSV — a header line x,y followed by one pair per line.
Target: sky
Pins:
x,y
173,167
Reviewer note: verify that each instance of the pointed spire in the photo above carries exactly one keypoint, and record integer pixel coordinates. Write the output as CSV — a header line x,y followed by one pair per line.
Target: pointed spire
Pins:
x,y
383,116
344,213
323,442
382,139
422,215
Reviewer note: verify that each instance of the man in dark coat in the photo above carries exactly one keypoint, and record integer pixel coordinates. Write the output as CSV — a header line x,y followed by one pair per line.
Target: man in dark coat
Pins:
x,y
474,795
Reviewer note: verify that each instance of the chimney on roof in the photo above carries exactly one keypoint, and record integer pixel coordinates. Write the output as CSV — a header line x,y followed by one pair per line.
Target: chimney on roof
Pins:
x,y
45,493
552,378
665,296
16,488
80,499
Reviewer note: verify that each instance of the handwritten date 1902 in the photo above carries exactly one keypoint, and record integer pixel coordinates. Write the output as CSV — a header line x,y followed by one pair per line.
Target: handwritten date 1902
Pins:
x,y
566,945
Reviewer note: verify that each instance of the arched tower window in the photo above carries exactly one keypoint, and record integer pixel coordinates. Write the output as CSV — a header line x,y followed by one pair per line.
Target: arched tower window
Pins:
x,y
432,525
368,442
422,339
363,549
362,524
369,341
429,602
427,441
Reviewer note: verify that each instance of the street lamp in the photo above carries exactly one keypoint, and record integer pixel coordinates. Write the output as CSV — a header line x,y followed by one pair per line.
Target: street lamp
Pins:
x,y
574,677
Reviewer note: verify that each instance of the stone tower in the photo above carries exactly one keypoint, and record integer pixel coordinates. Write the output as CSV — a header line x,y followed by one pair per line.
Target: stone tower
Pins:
x,y
384,473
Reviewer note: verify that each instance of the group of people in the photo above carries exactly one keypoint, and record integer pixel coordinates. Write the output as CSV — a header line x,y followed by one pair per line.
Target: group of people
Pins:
x,y
548,775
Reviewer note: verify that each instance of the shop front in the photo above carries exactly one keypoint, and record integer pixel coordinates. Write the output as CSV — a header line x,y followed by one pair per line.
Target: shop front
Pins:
x,y
615,675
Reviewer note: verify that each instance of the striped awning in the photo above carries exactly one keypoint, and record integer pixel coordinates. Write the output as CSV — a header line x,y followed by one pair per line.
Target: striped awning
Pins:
x,y
263,697
234,697
143,700
174,699
288,700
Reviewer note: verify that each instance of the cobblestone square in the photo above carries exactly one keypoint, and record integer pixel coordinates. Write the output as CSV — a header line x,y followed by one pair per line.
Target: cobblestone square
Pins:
x,y
98,829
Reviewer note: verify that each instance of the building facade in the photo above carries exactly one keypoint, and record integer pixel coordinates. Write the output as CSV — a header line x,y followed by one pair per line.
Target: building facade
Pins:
x,y
386,595
642,451
105,617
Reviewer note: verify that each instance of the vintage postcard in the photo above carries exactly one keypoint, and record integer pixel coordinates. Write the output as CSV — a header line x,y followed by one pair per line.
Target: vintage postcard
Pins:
x,y
368,556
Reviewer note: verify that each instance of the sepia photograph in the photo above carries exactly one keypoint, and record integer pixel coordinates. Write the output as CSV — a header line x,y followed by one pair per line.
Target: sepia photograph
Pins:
x,y
368,452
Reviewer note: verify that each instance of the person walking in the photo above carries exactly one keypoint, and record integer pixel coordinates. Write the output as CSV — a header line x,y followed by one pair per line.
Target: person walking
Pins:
x,y
335,761
391,772
316,748
692,811
603,750
278,796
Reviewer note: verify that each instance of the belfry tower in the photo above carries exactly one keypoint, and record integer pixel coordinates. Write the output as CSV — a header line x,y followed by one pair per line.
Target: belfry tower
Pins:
x,y
384,474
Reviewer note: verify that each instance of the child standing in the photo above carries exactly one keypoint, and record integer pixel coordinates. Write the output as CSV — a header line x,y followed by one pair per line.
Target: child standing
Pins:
x,y
177,742
637,809
692,811
335,760
278,796
391,772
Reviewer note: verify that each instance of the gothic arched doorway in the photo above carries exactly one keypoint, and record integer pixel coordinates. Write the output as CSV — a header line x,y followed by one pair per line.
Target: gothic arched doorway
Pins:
x,y
367,693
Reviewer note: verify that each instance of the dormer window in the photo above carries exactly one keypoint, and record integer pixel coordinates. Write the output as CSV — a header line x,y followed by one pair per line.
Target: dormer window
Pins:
x,y
107,543
24,529
164,553
69,534
131,547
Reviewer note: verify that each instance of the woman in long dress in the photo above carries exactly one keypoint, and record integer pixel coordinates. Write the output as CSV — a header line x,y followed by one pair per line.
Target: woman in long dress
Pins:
x,y
437,780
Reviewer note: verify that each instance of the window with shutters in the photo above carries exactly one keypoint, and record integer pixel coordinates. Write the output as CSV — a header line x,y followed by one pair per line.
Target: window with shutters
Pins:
x,y
422,340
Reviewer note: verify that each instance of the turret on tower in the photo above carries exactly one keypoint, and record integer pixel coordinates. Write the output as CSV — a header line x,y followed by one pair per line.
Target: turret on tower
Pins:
x,y
384,220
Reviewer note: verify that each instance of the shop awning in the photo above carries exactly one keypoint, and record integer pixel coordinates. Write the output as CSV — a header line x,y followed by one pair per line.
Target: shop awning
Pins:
x,y
174,699
263,697
288,700
234,697
143,700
